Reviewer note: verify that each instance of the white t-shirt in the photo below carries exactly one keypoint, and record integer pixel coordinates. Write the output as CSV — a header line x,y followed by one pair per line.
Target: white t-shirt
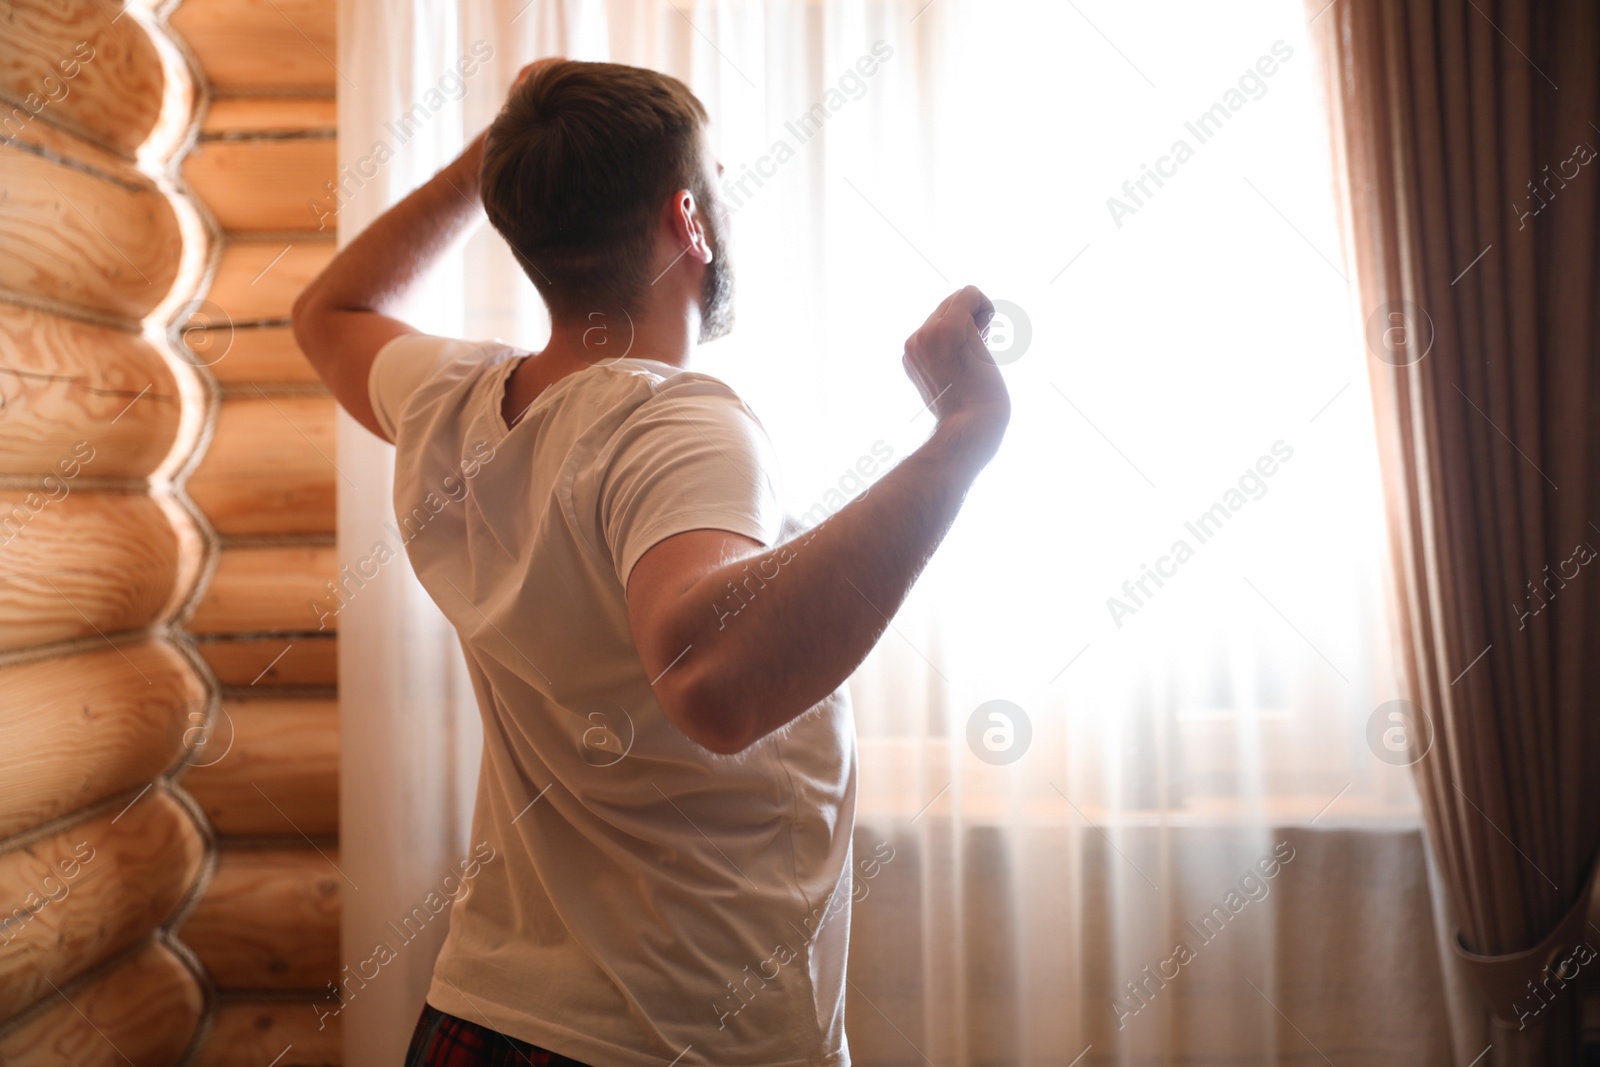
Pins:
x,y
649,897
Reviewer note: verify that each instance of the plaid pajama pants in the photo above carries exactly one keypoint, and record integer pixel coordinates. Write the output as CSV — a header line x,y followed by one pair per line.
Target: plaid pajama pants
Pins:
x,y
442,1040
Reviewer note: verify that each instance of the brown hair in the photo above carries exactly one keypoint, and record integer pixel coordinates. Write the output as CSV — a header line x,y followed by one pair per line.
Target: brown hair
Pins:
x,y
576,166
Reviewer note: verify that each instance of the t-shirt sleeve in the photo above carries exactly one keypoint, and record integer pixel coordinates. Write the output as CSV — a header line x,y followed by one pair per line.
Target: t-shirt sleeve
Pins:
x,y
692,457
403,364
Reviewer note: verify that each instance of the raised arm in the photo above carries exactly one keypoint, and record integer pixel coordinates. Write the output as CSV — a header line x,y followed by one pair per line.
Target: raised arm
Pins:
x,y
348,311
819,602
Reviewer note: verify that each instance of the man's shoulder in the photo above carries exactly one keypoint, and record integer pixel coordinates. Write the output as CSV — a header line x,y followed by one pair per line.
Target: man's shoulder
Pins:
x,y
412,372
641,411
435,353
657,389
661,377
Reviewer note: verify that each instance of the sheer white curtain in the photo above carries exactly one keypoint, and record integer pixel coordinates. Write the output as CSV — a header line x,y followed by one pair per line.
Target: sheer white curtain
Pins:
x,y
1170,576
409,727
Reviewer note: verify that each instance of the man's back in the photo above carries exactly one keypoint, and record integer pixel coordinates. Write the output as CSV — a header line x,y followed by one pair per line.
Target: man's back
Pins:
x,y
647,895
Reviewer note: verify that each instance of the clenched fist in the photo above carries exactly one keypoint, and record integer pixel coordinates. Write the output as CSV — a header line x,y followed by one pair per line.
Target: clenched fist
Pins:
x,y
951,367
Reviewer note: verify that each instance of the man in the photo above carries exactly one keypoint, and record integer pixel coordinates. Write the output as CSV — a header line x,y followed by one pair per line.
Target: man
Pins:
x,y
669,763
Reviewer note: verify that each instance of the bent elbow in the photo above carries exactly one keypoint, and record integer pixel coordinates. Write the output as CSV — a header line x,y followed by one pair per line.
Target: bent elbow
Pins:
x,y
703,714
723,739
301,313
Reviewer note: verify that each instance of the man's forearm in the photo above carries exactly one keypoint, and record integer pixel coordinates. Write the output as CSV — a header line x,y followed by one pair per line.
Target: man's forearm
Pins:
x,y
376,271
772,634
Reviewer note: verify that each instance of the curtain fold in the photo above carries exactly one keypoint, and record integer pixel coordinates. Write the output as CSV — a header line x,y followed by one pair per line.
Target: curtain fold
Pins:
x,y
1466,144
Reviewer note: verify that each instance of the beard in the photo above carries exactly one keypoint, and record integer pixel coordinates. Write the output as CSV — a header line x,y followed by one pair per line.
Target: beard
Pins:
x,y
716,293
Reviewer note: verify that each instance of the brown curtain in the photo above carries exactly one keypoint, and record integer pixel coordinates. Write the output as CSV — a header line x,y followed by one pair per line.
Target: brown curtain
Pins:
x,y
1465,136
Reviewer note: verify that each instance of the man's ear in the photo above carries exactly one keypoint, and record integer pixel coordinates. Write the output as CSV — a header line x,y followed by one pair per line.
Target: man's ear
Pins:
x,y
689,226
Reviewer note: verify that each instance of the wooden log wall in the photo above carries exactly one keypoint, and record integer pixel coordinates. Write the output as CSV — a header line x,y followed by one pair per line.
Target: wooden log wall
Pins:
x,y
101,854
169,888
267,929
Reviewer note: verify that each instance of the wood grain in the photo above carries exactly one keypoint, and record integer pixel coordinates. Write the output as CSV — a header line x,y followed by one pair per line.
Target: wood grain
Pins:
x,y
270,920
91,890
143,1012
233,116
76,237
264,663
63,382
280,776
257,280
259,590
46,138
77,64
81,728
274,184
250,1034
259,46
269,468
84,564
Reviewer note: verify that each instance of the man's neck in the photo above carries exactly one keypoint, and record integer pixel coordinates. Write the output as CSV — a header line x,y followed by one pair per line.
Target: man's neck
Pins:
x,y
581,342
605,335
